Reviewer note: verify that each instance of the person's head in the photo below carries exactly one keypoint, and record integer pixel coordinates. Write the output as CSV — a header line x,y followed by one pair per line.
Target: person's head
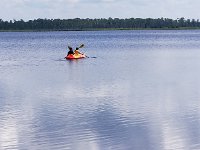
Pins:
x,y
70,48
77,48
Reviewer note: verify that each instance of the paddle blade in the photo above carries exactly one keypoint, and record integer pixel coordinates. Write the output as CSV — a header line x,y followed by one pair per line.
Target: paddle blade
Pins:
x,y
69,47
82,45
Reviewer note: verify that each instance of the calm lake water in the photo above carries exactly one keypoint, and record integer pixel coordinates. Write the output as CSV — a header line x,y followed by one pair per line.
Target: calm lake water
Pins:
x,y
142,92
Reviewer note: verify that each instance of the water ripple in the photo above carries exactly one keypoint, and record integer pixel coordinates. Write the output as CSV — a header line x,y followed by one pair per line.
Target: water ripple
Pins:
x,y
142,92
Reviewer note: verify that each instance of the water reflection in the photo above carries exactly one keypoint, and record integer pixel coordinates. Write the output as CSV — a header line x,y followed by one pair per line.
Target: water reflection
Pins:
x,y
141,94
8,129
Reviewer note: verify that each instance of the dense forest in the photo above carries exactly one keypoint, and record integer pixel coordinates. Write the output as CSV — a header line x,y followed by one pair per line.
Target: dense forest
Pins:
x,y
91,24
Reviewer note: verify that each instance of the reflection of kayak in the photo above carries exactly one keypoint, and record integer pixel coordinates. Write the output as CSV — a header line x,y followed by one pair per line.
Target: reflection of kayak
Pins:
x,y
75,56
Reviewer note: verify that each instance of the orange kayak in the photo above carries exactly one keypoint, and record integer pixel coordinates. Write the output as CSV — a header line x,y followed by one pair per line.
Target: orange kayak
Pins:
x,y
75,56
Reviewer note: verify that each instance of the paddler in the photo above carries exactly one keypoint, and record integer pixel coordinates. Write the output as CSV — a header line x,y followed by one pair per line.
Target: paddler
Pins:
x,y
70,52
76,52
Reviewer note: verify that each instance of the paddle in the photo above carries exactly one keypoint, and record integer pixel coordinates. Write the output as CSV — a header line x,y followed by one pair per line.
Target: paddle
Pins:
x,y
69,47
81,46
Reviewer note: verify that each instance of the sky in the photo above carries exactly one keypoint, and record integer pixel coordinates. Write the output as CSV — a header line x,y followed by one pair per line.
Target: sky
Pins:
x,y
68,9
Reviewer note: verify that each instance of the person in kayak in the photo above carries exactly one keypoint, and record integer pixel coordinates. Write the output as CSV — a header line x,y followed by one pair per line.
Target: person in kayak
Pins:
x,y
76,52
70,52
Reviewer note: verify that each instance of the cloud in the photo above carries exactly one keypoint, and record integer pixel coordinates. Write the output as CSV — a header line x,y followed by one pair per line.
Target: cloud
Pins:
x,y
29,9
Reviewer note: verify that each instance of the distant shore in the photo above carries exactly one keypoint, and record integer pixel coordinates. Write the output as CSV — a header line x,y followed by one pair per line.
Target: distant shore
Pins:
x,y
102,29
102,24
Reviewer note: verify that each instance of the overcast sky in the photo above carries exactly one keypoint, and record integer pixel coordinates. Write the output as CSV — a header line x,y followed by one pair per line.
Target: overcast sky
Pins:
x,y
65,9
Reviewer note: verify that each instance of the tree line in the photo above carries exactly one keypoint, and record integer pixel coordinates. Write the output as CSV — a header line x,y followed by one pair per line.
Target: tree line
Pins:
x,y
88,24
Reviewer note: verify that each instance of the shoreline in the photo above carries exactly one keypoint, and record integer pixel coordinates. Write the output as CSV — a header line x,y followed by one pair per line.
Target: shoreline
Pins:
x,y
100,29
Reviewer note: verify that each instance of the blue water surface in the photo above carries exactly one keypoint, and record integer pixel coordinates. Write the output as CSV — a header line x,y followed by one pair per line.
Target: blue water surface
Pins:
x,y
141,92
